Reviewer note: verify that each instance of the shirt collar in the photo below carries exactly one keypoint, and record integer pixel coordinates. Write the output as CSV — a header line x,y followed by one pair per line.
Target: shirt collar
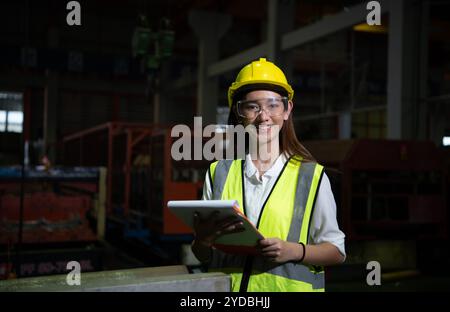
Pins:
x,y
251,171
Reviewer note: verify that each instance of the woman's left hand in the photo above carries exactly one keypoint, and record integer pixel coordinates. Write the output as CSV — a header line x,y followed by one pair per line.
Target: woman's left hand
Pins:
x,y
280,251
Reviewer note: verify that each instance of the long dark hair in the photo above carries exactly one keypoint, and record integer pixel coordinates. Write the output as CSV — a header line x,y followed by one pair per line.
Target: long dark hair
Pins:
x,y
289,143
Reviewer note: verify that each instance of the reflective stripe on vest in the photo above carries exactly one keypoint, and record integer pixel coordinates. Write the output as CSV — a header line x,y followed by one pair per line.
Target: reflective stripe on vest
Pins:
x,y
290,223
219,176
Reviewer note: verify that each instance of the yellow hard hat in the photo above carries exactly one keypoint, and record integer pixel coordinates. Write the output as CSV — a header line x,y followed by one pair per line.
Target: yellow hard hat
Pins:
x,y
261,72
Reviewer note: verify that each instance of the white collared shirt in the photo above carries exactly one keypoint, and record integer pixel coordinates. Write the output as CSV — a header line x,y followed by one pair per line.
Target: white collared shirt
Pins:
x,y
324,226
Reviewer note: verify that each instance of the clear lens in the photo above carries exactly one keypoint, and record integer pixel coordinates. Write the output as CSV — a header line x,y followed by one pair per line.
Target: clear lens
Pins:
x,y
252,108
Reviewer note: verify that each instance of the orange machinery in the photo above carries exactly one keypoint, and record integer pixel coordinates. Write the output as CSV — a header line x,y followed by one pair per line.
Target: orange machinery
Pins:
x,y
171,180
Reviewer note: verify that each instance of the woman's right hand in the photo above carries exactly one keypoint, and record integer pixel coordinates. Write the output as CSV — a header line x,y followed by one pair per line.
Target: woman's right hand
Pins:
x,y
207,230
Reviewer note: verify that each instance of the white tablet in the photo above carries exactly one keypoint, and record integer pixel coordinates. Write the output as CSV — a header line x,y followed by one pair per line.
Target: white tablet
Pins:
x,y
185,209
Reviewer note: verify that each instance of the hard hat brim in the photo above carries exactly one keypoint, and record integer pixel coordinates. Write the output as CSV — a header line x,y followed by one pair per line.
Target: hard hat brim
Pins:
x,y
245,87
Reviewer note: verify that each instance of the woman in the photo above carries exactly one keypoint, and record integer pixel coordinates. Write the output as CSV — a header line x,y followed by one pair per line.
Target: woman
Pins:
x,y
286,195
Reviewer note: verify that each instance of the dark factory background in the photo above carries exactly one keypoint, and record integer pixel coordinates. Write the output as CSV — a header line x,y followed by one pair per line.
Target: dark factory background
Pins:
x,y
86,113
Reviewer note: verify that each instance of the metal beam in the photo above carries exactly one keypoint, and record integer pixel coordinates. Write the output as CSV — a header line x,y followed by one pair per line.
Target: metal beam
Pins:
x,y
50,117
208,27
85,85
237,60
328,25
395,81
272,46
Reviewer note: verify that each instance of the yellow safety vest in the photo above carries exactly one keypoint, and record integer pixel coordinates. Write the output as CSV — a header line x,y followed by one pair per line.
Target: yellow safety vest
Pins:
x,y
286,214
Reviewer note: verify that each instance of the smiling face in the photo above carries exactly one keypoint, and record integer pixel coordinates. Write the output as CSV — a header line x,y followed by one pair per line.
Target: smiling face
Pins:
x,y
268,125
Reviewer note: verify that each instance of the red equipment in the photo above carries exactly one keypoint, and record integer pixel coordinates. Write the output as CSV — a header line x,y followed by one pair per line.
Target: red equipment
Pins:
x,y
142,176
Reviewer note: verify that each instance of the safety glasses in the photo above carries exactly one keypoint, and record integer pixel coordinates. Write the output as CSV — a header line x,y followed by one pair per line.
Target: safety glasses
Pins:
x,y
273,106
